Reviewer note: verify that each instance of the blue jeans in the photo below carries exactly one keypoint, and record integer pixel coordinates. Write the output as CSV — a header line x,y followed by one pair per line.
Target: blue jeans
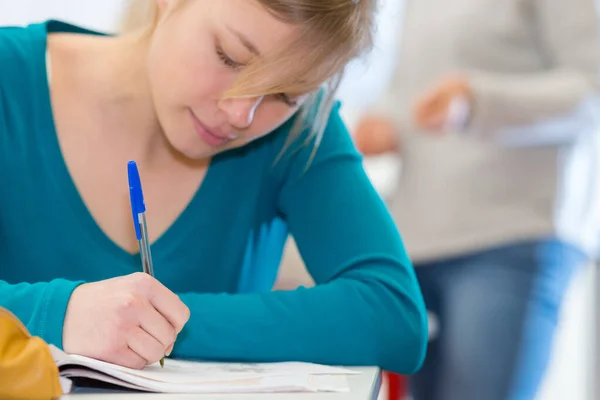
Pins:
x,y
498,312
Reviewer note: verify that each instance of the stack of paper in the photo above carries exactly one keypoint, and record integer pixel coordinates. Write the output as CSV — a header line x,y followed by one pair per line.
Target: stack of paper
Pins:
x,y
179,376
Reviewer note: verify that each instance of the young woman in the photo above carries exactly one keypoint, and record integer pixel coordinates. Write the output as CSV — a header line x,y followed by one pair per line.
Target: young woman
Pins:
x,y
227,107
494,111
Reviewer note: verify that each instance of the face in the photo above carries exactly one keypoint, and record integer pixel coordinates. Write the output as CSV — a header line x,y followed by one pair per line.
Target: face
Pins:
x,y
196,53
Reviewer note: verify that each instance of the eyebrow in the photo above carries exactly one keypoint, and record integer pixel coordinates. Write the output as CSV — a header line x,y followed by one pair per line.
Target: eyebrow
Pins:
x,y
245,41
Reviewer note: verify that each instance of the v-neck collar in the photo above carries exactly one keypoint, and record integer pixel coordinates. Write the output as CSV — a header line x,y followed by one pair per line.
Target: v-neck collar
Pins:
x,y
63,182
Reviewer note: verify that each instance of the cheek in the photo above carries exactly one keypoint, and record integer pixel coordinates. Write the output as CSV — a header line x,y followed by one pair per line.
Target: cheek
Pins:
x,y
185,74
202,81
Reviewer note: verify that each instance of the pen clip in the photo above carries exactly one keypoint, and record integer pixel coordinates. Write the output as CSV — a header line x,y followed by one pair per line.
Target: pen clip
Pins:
x,y
136,196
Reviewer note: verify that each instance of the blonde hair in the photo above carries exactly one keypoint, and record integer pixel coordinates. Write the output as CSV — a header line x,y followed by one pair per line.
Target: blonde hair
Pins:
x,y
332,33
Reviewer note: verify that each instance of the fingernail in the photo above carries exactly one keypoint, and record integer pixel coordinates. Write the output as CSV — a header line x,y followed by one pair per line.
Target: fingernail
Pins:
x,y
169,350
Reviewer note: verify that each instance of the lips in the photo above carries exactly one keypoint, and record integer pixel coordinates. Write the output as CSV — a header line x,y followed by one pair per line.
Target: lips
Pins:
x,y
210,136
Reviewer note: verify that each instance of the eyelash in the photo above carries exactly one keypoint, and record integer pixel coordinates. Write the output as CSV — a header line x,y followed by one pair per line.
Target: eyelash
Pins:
x,y
227,61
286,99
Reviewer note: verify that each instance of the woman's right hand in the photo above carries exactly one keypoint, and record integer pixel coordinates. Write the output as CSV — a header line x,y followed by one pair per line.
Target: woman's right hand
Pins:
x,y
376,135
131,321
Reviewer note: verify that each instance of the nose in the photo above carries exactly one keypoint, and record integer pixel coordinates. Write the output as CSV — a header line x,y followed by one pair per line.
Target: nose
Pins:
x,y
240,112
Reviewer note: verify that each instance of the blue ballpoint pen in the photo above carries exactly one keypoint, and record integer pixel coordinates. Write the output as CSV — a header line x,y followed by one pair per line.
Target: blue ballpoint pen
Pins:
x,y
138,210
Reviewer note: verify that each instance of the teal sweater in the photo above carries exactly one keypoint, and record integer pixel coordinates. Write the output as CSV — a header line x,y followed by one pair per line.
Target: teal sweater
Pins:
x,y
222,255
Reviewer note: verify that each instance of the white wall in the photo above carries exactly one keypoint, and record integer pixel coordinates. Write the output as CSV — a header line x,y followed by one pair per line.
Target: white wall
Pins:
x,y
569,376
97,14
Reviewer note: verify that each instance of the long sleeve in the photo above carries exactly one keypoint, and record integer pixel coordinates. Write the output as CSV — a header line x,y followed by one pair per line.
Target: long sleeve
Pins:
x,y
565,94
40,306
366,307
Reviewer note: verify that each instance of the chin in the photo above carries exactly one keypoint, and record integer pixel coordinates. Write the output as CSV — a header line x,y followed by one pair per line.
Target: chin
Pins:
x,y
185,147
193,155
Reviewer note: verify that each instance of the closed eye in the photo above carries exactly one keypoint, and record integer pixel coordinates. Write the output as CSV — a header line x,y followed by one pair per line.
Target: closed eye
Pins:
x,y
229,62
286,99
226,60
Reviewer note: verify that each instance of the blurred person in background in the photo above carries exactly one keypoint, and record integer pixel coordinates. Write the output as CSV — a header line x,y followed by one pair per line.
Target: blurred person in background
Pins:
x,y
493,111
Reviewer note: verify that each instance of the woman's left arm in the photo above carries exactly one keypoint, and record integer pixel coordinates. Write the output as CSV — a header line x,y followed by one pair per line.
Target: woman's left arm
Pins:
x,y
366,308
568,35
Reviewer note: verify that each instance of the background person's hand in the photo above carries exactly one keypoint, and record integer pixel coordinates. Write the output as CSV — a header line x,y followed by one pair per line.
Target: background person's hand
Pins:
x,y
431,111
131,321
375,135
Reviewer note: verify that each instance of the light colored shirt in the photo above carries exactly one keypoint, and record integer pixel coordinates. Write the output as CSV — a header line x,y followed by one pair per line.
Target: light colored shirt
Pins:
x,y
527,166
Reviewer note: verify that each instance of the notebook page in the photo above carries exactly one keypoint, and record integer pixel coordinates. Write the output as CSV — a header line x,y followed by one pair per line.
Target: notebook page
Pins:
x,y
282,384
189,372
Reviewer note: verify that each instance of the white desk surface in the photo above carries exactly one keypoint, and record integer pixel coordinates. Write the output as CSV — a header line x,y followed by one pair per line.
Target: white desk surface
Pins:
x,y
363,386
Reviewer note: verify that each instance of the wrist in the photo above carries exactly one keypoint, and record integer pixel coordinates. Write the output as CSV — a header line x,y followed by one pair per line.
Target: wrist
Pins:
x,y
53,312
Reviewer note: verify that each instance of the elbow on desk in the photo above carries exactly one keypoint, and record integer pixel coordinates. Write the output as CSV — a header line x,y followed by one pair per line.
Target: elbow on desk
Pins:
x,y
403,336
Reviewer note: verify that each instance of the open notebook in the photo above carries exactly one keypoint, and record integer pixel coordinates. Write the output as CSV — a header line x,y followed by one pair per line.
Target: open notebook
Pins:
x,y
179,376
